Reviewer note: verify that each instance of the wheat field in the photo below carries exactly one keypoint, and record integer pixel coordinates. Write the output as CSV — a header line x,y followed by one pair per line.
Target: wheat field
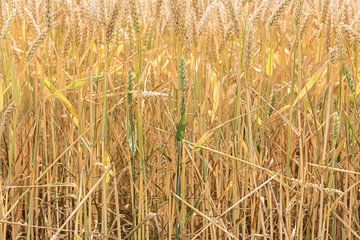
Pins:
x,y
179,119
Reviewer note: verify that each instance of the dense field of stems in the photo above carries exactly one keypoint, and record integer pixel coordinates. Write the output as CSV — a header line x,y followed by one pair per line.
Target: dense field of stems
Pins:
x,y
179,119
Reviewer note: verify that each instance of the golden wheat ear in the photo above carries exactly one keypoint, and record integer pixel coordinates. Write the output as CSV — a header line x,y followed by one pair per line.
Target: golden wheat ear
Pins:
x,y
5,115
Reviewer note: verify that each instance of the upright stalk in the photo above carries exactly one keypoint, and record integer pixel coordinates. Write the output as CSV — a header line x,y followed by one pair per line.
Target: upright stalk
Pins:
x,y
179,137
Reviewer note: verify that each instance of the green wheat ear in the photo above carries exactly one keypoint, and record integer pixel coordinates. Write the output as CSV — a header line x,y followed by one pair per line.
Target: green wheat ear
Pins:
x,y
182,76
349,78
336,123
130,87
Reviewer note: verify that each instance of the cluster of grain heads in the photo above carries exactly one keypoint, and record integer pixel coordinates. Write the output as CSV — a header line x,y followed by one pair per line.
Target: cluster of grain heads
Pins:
x,y
92,147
